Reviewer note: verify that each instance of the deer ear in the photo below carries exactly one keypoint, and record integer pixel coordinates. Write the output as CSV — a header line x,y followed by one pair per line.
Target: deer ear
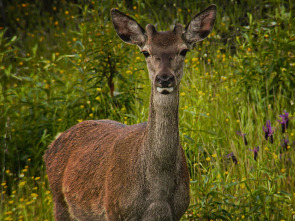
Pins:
x,y
200,26
128,29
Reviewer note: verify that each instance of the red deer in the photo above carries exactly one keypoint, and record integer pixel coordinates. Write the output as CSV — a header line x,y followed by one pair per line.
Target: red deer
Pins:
x,y
106,170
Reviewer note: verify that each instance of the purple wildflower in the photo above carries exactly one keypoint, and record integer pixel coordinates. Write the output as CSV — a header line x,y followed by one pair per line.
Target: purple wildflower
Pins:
x,y
243,136
255,150
268,131
233,157
285,143
284,121
289,161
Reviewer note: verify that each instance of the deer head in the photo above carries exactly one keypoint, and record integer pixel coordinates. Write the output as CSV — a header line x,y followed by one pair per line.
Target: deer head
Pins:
x,y
164,51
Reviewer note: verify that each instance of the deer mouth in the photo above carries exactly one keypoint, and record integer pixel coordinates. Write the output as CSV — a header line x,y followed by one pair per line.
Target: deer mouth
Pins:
x,y
165,90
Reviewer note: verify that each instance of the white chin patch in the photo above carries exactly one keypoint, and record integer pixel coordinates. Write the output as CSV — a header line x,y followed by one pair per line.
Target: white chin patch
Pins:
x,y
164,90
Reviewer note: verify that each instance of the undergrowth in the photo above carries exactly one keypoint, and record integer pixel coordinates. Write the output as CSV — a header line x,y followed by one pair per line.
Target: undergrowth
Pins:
x,y
62,63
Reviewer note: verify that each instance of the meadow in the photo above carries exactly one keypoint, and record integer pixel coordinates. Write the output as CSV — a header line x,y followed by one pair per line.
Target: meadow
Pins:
x,y
61,63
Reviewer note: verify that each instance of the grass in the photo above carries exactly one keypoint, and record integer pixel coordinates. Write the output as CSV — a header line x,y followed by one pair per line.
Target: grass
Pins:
x,y
68,65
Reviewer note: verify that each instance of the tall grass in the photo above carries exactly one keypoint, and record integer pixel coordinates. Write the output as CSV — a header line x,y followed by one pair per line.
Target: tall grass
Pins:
x,y
64,64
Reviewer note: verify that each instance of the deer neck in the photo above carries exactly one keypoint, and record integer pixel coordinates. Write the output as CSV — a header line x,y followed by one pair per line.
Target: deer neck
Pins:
x,y
162,137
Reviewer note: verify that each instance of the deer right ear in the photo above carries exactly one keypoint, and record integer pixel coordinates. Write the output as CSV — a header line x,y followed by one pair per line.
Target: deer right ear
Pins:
x,y
128,29
200,26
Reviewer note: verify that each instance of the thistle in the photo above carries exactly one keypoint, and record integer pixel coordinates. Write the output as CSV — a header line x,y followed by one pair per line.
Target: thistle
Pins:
x,y
285,143
284,121
243,136
255,150
268,131
233,157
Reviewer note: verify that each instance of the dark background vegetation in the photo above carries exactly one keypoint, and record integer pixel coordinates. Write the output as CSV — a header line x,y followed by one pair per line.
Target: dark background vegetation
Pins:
x,y
61,62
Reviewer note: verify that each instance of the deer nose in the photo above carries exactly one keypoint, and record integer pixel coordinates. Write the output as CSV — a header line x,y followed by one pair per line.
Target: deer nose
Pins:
x,y
165,80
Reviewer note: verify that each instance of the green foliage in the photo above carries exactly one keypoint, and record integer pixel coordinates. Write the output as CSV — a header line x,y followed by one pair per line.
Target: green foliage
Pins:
x,y
63,63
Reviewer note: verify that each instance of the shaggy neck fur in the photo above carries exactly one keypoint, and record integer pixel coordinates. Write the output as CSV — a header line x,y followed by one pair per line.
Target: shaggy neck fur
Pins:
x,y
161,147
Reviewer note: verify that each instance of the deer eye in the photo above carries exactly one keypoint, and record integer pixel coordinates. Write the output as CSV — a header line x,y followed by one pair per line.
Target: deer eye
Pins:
x,y
183,52
146,54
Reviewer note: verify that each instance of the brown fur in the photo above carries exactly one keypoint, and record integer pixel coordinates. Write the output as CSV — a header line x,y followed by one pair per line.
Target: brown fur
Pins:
x,y
105,170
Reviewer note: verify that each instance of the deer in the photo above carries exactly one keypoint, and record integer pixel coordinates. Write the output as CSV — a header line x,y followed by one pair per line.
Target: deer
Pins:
x,y
106,170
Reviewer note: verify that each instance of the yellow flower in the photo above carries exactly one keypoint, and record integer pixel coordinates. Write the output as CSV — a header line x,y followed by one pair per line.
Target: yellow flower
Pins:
x,y
91,115
8,213
21,63
208,159
56,23
74,39
275,156
266,149
80,120
226,172
37,178
214,155
283,170
98,89
34,195
82,106
66,12
22,183
30,202
97,98
182,94
11,202
134,7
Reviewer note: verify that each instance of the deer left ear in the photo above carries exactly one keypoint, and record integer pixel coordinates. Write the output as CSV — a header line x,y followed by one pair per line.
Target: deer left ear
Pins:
x,y
128,29
200,26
